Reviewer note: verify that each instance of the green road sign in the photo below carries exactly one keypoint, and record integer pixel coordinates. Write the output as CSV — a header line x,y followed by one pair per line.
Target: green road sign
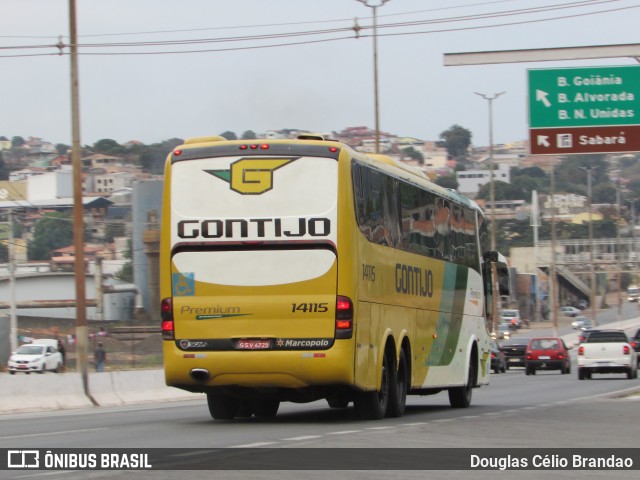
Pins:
x,y
584,97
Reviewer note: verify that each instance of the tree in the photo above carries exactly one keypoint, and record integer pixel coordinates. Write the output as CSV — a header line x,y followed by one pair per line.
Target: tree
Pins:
x,y
108,147
414,154
17,142
571,176
62,149
152,157
4,171
126,273
53,231
448,181
502,191
457,140
249,135
229,135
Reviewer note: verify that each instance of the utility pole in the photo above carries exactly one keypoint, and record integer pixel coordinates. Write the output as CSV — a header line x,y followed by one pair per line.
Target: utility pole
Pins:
x,y
375,7
619,252
82,334
553,280
492,192
13,318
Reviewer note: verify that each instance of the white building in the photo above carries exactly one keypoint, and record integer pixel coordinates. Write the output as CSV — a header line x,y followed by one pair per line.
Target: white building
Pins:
x,y
470,181
50,185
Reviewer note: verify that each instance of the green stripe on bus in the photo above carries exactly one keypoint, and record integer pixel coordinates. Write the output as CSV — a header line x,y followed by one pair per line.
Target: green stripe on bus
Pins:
x,y
450,317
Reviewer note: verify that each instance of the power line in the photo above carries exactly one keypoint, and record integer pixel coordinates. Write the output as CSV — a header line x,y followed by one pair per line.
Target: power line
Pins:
x,y
254,26
249,38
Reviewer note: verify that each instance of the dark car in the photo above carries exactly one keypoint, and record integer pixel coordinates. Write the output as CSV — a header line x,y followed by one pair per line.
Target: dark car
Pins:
x,y
514,349
547,353
635,343
498,359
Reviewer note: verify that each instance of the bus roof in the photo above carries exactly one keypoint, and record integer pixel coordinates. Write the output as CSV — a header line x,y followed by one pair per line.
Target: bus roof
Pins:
x,y
199,147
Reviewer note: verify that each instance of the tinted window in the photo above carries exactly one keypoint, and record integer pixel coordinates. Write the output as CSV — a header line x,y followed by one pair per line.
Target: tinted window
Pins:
x,y
605,337
402,215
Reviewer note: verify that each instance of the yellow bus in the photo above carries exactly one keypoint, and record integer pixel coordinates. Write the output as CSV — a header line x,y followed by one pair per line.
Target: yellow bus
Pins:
x,y
298,270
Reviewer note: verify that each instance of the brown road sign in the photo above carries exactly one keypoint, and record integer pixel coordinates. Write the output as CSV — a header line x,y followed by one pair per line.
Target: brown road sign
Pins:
x,y
570,140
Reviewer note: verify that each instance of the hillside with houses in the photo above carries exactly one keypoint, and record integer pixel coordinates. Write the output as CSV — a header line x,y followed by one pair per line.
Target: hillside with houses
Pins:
x,y
122,189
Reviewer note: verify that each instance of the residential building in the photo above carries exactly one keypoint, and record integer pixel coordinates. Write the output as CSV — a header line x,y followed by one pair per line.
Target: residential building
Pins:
x,y
470,181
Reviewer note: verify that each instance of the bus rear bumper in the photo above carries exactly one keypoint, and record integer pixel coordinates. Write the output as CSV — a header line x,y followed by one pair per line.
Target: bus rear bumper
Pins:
x,y
217,371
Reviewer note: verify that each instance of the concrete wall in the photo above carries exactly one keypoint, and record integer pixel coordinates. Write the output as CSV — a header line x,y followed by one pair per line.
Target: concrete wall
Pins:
x,y
62,391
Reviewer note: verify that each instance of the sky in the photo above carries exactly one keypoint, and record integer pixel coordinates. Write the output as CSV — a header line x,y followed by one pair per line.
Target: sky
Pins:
x,y
307,70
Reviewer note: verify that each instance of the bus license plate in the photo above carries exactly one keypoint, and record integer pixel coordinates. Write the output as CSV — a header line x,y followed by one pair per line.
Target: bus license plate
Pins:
x,y
250,344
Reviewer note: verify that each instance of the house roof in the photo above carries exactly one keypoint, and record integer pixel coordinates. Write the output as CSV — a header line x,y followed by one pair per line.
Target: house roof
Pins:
x,y
94,202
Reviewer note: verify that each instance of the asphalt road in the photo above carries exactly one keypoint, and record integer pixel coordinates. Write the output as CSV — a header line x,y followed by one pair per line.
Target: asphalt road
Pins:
x,y
548,410
515,411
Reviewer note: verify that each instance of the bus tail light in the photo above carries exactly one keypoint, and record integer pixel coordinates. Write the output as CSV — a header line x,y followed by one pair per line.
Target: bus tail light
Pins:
x,y
344,317
166,313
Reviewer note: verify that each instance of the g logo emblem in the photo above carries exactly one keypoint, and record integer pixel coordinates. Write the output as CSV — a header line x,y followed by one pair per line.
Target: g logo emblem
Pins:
x,y
251,176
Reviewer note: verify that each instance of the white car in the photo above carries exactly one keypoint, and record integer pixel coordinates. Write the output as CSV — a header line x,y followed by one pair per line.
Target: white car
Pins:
x,y
511,317
34,357
570,311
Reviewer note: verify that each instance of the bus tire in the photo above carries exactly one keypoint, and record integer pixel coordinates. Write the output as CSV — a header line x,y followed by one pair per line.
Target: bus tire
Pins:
x,y
222,407
373,405
265,407
460,397
398,388
244,409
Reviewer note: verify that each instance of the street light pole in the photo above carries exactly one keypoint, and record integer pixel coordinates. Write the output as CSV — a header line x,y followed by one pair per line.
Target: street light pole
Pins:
x,y
592,300
374,7
492,193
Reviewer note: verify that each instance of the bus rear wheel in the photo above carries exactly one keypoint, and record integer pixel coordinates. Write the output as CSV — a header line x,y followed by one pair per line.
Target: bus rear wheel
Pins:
x,y
398,389
222,407
373,405
460,397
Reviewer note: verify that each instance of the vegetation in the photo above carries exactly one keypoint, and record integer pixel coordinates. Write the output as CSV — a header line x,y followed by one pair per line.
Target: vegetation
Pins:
x,y
54,230
126,273
457,140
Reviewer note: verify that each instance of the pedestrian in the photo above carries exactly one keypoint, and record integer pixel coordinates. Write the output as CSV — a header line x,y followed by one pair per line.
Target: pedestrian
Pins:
x,y
100,357
62,352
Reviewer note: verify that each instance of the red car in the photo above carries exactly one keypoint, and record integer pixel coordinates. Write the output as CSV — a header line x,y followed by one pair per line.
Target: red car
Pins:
x,y
548,353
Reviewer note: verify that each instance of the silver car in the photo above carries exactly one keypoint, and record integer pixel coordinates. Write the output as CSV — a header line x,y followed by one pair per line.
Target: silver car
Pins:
x,y
581,323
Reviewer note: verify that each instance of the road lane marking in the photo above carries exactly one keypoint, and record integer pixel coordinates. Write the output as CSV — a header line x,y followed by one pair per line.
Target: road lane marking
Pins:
x,y
304,437
49,474
28,435
344,432
252,445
